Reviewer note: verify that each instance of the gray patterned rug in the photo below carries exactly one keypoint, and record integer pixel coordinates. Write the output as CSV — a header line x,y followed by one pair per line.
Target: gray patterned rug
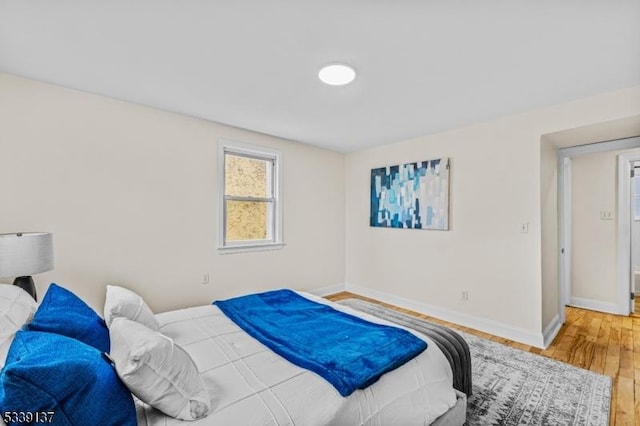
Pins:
x,y
513,387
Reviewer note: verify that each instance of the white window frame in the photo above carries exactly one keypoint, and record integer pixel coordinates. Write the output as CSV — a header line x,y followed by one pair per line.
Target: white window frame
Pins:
x,y
274,239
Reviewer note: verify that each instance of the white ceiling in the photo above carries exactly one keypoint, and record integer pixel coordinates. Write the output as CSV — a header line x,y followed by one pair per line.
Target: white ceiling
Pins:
x,y
423,66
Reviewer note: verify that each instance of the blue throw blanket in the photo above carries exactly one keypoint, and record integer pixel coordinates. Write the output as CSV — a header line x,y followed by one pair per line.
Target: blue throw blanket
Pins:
x,y
347,351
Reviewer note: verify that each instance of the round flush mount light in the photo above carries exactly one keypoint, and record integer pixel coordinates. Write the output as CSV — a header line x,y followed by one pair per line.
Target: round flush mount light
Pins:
x,y
337,74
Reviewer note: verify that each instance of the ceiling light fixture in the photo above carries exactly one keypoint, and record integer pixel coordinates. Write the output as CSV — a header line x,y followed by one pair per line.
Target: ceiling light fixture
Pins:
x,y
337,74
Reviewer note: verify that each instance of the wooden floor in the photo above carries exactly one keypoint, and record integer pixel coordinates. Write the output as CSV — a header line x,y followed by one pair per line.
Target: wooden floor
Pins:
x,y
603,343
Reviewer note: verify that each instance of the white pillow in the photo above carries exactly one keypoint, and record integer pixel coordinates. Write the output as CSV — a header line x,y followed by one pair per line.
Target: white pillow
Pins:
x,y
16,309
158,371
122,302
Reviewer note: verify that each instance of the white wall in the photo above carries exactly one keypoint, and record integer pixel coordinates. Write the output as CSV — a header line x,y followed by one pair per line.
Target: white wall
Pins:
x,y
496,170
130,195
549,232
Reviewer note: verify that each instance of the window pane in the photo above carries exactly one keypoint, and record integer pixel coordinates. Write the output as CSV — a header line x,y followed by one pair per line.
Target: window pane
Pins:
x,y
246,177
248,220
636,208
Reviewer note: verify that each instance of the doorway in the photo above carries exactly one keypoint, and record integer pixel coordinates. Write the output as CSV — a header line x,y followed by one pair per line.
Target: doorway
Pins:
x,y
611,292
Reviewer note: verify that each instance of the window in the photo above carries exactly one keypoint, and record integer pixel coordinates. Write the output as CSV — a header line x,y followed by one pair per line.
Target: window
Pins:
x,y
250,197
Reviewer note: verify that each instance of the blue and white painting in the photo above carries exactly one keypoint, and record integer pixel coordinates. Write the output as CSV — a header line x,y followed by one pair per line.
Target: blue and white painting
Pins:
x,y
412,195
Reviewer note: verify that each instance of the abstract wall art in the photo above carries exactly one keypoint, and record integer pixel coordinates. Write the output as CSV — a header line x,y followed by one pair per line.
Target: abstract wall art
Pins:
x,y
412,195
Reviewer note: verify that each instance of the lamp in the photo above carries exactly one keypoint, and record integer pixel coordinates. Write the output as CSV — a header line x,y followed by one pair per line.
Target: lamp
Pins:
x,y
23,254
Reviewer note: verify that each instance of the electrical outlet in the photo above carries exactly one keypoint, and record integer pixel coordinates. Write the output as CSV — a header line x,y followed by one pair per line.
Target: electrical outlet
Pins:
x,y
205,278
465,296
524,227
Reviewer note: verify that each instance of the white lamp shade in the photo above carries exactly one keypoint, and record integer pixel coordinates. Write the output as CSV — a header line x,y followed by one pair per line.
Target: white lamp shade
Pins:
x,y
25,253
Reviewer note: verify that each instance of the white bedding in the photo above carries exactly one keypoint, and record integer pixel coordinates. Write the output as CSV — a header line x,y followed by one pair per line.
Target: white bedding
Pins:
x,y
250,385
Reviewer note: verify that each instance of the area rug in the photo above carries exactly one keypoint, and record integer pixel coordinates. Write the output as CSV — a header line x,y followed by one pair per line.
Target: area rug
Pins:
x,y
514,387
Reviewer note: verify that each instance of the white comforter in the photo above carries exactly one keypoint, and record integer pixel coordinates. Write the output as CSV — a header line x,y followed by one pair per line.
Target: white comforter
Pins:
x,y
250,385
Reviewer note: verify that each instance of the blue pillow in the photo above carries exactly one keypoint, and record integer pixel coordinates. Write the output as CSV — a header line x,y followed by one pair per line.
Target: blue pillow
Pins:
x,y
48,372
62,312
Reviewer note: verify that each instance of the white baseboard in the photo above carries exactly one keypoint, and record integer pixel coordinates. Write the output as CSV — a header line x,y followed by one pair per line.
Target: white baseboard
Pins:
x,y
594,305
551,330
325,291
495,328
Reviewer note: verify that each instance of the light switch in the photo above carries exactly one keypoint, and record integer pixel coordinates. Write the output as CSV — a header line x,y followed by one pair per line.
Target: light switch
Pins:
x,y
606,215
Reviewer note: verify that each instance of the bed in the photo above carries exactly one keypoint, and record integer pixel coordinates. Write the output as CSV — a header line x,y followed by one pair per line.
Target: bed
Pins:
x,y
257,387
251,385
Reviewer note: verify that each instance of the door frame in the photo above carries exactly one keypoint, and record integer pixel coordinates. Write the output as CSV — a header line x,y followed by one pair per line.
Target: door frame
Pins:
x,y
623,218
625,226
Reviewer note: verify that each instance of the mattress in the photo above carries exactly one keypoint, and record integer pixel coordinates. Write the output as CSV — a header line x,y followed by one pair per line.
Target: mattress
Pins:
x,y
251,385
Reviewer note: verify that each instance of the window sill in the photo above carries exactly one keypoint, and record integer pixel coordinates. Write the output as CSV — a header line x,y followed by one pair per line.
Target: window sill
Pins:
x,y
249,248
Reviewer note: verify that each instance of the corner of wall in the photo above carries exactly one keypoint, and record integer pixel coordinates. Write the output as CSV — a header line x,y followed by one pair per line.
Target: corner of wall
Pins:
x,y
328,290
551,331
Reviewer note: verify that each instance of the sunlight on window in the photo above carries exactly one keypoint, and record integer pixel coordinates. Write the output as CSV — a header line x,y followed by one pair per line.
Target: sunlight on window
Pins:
x,y
246,220
245,177
248,179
